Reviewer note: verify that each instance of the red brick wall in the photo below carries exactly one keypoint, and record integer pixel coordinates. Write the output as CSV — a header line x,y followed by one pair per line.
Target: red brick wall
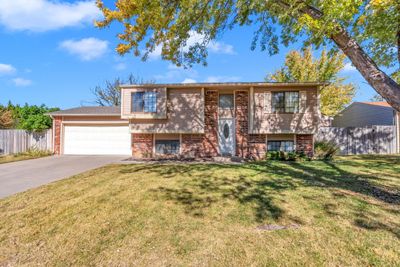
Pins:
x,y
305,144
257,146
192,145
142,145
242,123
57,135
210,137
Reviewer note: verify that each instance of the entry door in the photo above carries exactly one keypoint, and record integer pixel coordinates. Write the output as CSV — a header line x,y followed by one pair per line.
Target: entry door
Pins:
x,y
226,133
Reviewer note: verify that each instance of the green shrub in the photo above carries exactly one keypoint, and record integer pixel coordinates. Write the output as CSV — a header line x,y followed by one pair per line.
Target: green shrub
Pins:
x,y
34,152
325,150
285,156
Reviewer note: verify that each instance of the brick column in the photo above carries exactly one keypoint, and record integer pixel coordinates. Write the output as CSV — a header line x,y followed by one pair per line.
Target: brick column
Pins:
x,y
210,138
142,145
305,144
242,123
57,135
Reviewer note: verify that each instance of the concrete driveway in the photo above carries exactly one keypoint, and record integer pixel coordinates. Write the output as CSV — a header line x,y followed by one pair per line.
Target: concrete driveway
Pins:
x,y
22,175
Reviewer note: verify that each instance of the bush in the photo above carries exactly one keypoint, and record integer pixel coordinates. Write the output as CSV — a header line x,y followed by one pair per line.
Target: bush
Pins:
x,y
325,150
34,152
285,156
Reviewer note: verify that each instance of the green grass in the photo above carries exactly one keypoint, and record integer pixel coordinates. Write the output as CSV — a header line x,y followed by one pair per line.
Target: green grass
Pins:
x,y
30,154
348,213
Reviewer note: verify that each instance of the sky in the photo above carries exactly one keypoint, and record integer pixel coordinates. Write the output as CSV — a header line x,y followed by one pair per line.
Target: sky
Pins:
x,y
50,53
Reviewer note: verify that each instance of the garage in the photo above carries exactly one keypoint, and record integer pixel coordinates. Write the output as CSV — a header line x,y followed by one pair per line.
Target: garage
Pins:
x,y
97,140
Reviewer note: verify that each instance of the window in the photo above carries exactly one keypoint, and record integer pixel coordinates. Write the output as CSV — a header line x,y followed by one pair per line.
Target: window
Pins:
x,y
286,146
167,147
226,101
144,102
285,102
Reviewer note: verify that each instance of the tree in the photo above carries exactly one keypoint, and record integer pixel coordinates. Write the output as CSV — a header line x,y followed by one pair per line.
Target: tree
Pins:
x,y
377,98
367,32
6,118
110,93
30,118
302,67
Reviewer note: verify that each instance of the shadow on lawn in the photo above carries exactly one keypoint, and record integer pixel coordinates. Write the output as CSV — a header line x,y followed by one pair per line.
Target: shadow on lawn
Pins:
x,y
262,183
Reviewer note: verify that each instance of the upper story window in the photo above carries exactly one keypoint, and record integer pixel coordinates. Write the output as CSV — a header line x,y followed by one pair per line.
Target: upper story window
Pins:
x,y
285,102
144,102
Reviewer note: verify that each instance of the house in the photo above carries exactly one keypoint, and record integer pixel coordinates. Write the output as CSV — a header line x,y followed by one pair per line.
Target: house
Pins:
x,y
195,120
362,114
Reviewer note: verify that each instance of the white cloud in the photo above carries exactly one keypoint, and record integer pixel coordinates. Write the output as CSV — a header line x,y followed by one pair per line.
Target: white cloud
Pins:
x,y
218,79
44,15
214,46
6,69
175,73
22,82
348,67
86,49
188,80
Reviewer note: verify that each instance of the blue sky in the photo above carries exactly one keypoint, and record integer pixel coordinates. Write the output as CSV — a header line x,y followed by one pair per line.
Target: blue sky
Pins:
x,y
51,53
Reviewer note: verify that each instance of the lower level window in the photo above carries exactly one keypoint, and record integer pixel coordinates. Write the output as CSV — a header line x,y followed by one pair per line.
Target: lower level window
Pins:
x,y
167,147
286,146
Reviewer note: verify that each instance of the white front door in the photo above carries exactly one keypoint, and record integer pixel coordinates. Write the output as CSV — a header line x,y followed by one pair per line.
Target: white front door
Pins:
x,y
226,137
97,140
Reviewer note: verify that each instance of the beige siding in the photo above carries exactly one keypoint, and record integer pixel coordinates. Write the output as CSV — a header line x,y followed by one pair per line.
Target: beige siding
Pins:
x,y
306,121
126,104
185,114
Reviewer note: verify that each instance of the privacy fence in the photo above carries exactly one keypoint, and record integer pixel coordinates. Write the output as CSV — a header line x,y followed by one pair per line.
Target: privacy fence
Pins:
x,y
375,139
17,141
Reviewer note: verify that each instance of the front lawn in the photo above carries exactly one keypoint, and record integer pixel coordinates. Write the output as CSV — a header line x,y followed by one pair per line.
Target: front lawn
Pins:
x,y
342,213
23,156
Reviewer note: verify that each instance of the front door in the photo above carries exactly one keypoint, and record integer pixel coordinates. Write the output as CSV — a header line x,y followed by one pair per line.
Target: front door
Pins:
x,y
226,137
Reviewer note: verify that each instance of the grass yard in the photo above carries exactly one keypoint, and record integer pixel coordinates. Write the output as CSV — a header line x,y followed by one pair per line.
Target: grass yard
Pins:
x,y
342,213
23,156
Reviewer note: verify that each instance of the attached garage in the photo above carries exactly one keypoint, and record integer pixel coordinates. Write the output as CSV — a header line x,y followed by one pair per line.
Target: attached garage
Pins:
x,y
91,131
97,140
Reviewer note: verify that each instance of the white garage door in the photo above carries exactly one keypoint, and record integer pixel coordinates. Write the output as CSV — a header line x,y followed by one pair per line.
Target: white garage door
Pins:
x,y
97,140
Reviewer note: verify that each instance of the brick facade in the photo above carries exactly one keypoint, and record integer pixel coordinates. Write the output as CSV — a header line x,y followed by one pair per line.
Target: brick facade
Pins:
x,y
57,135
305,144
142,145
242,123
257,146
192,145
210,137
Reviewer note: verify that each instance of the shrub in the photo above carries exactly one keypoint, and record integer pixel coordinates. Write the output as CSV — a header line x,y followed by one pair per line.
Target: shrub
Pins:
x,y
34,152
285,156
325,150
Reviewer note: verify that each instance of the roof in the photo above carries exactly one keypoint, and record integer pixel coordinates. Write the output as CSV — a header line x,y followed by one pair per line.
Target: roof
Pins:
x,y
227,84
87,111
378,103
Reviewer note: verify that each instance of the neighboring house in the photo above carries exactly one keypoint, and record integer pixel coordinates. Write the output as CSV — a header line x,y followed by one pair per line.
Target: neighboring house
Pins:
x,y
195,120
362,114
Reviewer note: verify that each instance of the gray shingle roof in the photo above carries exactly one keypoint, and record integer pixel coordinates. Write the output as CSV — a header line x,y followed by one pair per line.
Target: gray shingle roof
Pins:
x,y
80,111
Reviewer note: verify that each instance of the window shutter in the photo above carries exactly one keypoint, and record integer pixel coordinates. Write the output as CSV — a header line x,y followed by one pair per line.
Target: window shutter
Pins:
x,y
303,102
267,102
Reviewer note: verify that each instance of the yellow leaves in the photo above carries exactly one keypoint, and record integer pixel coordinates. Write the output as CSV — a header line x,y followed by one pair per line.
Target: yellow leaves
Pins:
x,y
123,48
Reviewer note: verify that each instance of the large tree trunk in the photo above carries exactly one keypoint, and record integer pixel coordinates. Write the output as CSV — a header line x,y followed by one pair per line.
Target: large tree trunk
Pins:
x,y
379,80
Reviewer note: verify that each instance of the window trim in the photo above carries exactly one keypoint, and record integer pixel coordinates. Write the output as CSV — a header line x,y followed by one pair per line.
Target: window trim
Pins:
x,y
143,105
273,109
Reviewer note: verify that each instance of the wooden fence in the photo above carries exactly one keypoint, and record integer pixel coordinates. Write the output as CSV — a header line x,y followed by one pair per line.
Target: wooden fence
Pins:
x,y
17,141
375,139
